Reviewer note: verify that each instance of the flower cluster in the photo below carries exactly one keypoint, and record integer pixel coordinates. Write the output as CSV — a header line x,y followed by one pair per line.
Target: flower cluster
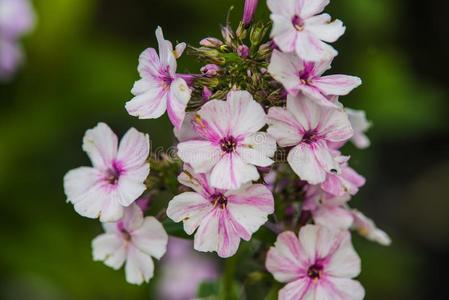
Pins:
x,y
16,19
260,133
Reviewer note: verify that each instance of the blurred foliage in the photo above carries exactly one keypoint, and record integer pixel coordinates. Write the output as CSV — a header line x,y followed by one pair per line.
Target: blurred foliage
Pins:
x,y
81,64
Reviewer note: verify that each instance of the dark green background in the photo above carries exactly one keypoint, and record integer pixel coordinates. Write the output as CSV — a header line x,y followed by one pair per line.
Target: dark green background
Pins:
x,y
81,64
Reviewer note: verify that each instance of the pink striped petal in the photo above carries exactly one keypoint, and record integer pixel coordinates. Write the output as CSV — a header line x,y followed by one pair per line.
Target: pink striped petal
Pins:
x,y
134,149
339,85
301,289
310,8
284,127
285,259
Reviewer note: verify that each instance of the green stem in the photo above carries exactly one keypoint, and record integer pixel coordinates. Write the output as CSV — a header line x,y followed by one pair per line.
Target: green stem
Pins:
x,y
227,285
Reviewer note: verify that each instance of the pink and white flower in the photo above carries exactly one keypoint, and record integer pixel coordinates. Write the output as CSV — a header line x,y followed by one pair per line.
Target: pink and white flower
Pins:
x,y
366,228
231,145
328,210
117,177
297,28
321,264
221,217
360,124
131,241
183,270
308,127
298,75
16,19
160,89
346,181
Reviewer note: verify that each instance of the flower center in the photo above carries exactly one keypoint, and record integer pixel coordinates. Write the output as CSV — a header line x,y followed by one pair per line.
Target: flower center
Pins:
x,y
315,271
113,174
220,200
125,234
298,23
310,137
228,144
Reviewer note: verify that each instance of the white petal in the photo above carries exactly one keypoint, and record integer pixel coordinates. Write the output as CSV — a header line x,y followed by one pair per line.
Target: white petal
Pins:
x,y
284,127
178,98
310,48
189,207
149,64
305,110
201,155
297,290
186,132
206,238
325,30
346,289
247,116
343,261
314,7
151,238
335,125
257,149
167,57
199,182
338,85
100,143
110,249
303,161
132,184
308,236
231,172
283,33
134,149
250,207
285,68
228,235
150,105
139,266
286,260
282,7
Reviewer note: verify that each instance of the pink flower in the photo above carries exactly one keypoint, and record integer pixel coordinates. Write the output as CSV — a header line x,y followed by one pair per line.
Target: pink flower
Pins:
x,y
230,146
134,240
117,177
182,270
328,210
345,181
160,88
16,19
360,125
222,217
320,265
297,28
308,127
298,75
366,228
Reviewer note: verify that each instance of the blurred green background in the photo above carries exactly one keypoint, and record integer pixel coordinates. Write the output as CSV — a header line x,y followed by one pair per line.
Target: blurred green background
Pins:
x,y
81,64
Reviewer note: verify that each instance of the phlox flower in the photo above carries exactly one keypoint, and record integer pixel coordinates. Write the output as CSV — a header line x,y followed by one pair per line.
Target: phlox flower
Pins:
x,y
183,270
16,19
297,28
328,210
117,177
360,124
221,217
160,89
131,241
298,75
230,144
345,181
308,127
319,265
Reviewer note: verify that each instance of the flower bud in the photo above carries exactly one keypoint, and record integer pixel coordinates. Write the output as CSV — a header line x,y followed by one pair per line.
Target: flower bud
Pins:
x,y
249,10
210,69
243,51
228,35
211,42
